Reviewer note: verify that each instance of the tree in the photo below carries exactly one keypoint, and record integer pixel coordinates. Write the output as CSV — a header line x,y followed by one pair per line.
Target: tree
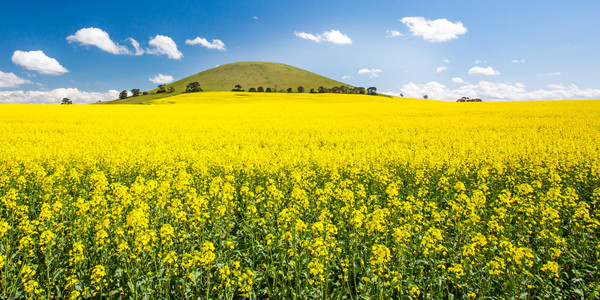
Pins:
x,y
161,89
260,89
312,91
123,94
289,90
193,87
425,97
372,90
300,89
66,101
268,90
238,88
360,89
401,95
251,90
322,90
135,92
170,89
145,93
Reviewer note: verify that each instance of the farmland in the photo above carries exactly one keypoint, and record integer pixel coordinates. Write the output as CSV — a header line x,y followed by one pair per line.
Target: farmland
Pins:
x,y
248,195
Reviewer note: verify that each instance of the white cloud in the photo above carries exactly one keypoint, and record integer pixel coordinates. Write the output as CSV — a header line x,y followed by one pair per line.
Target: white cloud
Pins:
x,y
164,45
97,37
371,72
161,79
550,74
483,71
434,31
458,80
255,18
446,60
332,36
477,61
215,44
441,69
55,96
490,91
39,62
518,61
136,45
11,80
393,33
346,77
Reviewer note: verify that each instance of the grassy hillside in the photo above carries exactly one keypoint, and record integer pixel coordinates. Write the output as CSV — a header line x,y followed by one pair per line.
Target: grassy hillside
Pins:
x,y
247,74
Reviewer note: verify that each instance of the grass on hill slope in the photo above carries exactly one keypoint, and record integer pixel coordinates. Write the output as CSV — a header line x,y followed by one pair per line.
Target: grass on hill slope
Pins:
x,y
247,74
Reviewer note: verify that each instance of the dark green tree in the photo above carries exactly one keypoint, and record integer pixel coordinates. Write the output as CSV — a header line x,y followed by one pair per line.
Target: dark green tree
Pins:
x,y
260,89
289,90
193,87
372,90
251,90
425,97
135,92
312,91
66,101
300,89
170,89
123,94
268,90
161,89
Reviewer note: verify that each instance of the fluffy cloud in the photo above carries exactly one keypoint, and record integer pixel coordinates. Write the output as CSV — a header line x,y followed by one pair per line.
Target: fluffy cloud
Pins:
x,y
483,71
441,69
161,79
518,61
11,80
371,72
393,33
164,45
332,36
215,44
55,96
39,62
458,80
97,37
434,31
346,77
490,91
446,60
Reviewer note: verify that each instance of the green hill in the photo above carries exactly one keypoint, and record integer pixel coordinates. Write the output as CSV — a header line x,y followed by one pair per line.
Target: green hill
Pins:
x,y
247,74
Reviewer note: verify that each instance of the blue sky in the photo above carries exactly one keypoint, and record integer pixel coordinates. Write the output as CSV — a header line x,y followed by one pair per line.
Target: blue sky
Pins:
x,y
496,50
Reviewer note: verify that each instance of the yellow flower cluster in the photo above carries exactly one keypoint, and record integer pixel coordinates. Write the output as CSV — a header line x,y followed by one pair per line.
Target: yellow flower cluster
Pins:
x,y
300,196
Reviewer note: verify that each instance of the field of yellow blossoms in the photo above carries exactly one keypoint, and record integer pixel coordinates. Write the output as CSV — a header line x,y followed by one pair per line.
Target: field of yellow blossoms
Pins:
x,y
300,196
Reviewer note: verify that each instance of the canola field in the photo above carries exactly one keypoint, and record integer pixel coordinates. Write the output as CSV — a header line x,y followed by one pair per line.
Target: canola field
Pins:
x,y
298,196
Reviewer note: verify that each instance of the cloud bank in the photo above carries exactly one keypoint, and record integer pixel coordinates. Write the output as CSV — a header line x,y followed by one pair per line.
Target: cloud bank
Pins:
x,y
55,96
332,36
490,91
215,44
38,61
434,31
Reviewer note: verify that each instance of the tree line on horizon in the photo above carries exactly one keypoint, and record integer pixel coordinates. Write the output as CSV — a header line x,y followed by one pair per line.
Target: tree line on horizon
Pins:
x,y
194,87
